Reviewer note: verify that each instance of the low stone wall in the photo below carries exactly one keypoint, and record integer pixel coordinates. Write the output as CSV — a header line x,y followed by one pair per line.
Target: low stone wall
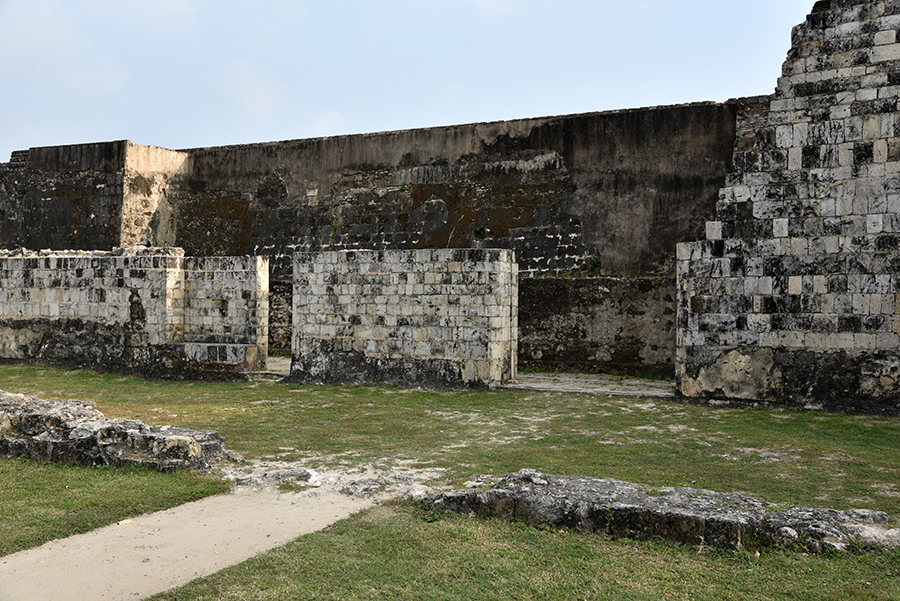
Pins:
x,y
147,310
611,325
433,318
684,515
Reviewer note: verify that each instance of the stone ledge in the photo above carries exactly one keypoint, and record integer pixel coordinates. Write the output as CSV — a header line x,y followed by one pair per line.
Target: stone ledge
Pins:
x,y
76,432
684,515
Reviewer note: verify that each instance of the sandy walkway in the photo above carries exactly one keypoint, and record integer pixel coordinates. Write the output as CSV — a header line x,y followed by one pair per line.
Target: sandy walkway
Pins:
x,y
159,551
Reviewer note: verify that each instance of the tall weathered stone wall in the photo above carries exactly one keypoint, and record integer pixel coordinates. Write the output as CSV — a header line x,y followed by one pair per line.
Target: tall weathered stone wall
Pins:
x,y
89,196
434,318
67,197
137,309
793,296
611,191
603,193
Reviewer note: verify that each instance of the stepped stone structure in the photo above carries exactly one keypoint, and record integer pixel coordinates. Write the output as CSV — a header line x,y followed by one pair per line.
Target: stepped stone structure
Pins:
x,y
793,296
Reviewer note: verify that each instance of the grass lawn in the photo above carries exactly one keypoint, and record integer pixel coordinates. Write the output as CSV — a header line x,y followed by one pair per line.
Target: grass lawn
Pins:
x,y
399,551
40,502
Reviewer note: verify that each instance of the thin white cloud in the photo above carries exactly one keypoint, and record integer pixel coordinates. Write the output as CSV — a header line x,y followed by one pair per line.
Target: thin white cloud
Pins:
x,y
329,123
497,7
65,59
260,97
162,16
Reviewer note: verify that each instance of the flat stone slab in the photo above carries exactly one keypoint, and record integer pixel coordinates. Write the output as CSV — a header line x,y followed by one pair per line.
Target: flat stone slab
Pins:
x,y
685,515
76,432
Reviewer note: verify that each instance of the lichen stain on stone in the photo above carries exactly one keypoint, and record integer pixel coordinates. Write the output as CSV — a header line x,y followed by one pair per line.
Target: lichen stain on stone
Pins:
x,y
737,375
467,211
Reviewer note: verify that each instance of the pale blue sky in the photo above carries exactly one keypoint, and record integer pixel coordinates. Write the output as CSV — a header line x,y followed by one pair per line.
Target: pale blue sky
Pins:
x,y
187,73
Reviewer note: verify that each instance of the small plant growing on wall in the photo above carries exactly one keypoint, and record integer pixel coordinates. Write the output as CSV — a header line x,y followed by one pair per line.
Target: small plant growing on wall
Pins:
x,y
592,264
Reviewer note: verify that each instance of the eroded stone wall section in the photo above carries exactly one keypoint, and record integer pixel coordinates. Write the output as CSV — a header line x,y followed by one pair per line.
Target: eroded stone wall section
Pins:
x,y
136,309
793,295
434,318
604,325
67,197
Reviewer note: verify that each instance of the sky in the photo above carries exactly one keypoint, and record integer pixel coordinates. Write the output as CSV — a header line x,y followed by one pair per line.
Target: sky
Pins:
x,y
195,73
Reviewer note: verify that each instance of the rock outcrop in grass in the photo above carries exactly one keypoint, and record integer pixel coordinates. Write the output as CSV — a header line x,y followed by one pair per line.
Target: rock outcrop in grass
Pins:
x,y
684,515
76,432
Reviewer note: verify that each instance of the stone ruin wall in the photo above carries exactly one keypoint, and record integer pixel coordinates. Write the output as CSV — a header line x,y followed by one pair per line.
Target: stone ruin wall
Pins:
x,y
152,311
433,318
793,296
616,190
63,197
89,196
595,194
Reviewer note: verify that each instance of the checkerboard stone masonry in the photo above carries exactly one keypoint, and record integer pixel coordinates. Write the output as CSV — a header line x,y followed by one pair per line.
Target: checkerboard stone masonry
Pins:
x,y
145,309
434,318
793,296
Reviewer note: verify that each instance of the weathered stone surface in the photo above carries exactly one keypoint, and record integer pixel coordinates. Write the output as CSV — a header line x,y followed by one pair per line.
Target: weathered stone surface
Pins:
x,y
620,186
280,295
431,318
76,432
149,310
598,324
684,515
793,296
607,192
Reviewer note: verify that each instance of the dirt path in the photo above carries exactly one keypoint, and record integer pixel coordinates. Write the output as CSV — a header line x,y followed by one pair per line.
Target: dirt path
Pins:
x,y
159,551
156,552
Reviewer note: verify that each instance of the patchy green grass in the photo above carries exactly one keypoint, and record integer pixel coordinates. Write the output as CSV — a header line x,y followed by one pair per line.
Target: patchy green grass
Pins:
x,y
817,459
41,502
402,552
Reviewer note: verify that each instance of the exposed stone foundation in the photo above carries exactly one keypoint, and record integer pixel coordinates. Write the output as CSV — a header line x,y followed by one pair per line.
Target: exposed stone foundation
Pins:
x,y
683,515
76,432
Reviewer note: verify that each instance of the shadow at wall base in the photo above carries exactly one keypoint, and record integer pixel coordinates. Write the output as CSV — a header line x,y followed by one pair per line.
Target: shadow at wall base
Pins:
x,y
837,381
357,368
659,372
84,344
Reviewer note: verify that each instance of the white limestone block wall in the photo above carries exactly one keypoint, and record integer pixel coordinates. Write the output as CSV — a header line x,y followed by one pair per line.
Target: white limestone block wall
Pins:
x,y
226,317
433,318
135,308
